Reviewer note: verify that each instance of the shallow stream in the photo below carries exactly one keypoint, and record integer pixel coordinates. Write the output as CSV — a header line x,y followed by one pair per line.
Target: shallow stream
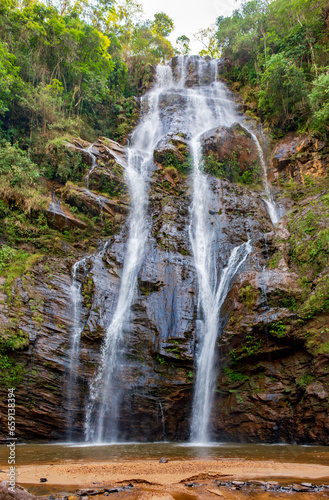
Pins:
x,y
27,454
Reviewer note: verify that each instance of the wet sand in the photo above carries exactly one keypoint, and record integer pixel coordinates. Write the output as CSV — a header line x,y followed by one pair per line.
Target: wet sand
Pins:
x,y
171,472
152,479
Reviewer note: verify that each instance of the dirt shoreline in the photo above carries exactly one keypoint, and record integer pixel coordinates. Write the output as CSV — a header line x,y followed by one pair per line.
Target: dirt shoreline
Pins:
x,y
174,471
162,480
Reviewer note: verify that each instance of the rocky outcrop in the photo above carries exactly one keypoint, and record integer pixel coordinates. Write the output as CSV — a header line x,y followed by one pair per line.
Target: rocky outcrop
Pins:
x,y
272,380
231,153
91,203
231,144
300,158
62,219
273,384
172,151
19,493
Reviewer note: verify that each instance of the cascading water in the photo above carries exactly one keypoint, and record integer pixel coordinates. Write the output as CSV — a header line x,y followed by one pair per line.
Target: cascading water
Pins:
x,y
89,150
208,107
105,395
74,348
211,299
273,211
205,107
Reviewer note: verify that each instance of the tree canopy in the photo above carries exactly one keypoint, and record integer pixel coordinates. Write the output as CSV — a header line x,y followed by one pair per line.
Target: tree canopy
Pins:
x,y
277,53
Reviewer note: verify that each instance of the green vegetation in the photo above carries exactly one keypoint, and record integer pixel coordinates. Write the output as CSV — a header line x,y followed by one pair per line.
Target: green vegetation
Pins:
x,y
11,371
305,380
67,70
277,329
318,301
177,158
278,58
231,170
274,260
248,296
15,263
235,376
76,68
250,346
284,299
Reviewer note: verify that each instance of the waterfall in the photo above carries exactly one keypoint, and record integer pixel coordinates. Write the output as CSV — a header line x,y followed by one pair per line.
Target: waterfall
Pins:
x,y
211,300
163,422
74,346
105,394
272,209
208,106
264,278
89,150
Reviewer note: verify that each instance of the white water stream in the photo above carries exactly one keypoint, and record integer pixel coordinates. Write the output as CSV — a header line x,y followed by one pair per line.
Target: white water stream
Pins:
x,y
105,396
74,346
209,106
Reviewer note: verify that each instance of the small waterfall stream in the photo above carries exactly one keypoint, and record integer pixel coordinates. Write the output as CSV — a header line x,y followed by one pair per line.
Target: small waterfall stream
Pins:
x,y
272,208
74,346
211,300
89,150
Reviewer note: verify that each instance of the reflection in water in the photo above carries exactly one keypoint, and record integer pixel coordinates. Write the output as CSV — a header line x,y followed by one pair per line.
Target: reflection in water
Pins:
x,y
54,453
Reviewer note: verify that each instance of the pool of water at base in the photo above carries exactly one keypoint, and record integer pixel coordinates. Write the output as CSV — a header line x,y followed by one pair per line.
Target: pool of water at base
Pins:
x,y
46,453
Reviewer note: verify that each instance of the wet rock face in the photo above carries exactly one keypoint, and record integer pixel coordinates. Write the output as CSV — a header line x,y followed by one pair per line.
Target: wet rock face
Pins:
x,y
232,146
299,157
93,204
62,219
158,372
265,391
198,70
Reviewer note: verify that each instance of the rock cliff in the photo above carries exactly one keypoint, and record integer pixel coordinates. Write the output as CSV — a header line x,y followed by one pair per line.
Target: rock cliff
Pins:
x,y
273,342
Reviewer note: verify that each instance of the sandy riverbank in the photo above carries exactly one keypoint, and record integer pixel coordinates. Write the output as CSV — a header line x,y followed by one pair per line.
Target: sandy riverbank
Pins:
x,y
172,472
152,479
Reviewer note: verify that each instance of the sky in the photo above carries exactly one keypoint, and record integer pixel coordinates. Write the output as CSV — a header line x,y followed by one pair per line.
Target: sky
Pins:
x,y
190,15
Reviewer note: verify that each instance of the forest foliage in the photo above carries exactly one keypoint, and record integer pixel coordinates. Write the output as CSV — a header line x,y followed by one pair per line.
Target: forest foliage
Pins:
x,y
277,54
68,69
74,69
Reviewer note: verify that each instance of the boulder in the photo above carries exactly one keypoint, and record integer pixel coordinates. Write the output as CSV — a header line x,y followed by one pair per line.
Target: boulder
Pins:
x,y
232,147
172,150
299,157
91,203
19,493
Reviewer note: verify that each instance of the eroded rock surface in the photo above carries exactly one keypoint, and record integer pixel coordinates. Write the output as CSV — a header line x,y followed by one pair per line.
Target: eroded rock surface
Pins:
x,y
231,144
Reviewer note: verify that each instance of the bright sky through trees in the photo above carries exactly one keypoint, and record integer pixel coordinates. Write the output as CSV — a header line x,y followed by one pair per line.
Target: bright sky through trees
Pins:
x,y
190,15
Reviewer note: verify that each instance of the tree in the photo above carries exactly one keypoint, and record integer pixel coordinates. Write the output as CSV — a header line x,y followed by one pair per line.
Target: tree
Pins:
x,y
207,37
283,91
319,99
163,25
8,77
183,43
